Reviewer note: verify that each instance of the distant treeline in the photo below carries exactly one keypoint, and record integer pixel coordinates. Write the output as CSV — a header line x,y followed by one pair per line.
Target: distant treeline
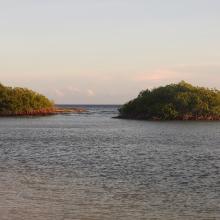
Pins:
x,y
180,101
15,101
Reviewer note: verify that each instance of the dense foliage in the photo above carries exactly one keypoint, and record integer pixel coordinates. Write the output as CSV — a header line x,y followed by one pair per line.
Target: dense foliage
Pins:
x,y
175,101
21,101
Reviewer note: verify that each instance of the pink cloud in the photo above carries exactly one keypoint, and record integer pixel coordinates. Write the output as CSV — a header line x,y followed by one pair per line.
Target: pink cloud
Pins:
x,y
73,90
90,93
59,93
157,75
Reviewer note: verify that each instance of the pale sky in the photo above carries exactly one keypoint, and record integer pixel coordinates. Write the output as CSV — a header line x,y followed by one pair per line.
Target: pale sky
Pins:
x,y
106,51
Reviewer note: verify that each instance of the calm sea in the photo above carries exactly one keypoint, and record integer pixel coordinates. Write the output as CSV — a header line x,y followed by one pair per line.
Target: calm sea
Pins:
x,y
92,167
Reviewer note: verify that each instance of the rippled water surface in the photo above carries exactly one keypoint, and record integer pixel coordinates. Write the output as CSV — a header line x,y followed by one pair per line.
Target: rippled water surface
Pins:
x,y
93,167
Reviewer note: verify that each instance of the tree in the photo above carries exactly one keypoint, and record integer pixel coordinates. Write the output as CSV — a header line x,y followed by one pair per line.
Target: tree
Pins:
x,y
174,101
21,100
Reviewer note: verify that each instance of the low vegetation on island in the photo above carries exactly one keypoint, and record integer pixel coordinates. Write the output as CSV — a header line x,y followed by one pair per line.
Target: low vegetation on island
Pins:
x,y
181,101
21,101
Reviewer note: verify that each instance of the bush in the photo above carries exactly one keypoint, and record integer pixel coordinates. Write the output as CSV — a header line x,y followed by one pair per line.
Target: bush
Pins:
x,y
174,101
21,100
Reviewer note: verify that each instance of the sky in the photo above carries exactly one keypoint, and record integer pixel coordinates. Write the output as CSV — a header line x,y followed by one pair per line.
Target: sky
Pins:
x,y
107,51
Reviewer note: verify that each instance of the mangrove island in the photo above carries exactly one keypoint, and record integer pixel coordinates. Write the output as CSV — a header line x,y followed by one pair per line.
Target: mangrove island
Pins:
x,y
25,102
181,101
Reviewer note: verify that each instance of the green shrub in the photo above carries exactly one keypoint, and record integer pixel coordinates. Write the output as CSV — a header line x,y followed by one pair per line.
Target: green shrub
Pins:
x,y
21,100
174,101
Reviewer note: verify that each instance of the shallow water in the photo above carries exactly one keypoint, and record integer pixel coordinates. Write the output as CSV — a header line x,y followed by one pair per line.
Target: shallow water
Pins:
x,y
93,167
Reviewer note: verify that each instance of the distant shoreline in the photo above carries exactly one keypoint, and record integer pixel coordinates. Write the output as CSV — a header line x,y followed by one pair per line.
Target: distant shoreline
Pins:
x,y
183,118
45,112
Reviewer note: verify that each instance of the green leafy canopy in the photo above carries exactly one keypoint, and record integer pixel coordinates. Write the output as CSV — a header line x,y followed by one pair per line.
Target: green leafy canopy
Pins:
x,y
174,101
21,100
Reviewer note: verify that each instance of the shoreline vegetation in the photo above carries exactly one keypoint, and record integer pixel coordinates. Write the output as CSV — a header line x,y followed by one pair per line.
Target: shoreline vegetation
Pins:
x,y
45,112
24,102
181,101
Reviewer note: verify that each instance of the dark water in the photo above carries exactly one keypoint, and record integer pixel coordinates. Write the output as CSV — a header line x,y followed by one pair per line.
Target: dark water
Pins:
x,y
92,167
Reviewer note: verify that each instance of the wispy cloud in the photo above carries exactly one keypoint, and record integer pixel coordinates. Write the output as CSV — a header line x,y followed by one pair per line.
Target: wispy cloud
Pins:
x,y
90,93
156,75
59,93
73,90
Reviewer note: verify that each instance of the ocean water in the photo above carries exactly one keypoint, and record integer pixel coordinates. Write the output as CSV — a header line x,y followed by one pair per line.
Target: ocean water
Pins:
x,y
92,167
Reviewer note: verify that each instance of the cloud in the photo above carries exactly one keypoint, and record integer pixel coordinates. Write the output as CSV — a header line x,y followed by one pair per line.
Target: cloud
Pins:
x,y
157,75
90,93
59,93
73,89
